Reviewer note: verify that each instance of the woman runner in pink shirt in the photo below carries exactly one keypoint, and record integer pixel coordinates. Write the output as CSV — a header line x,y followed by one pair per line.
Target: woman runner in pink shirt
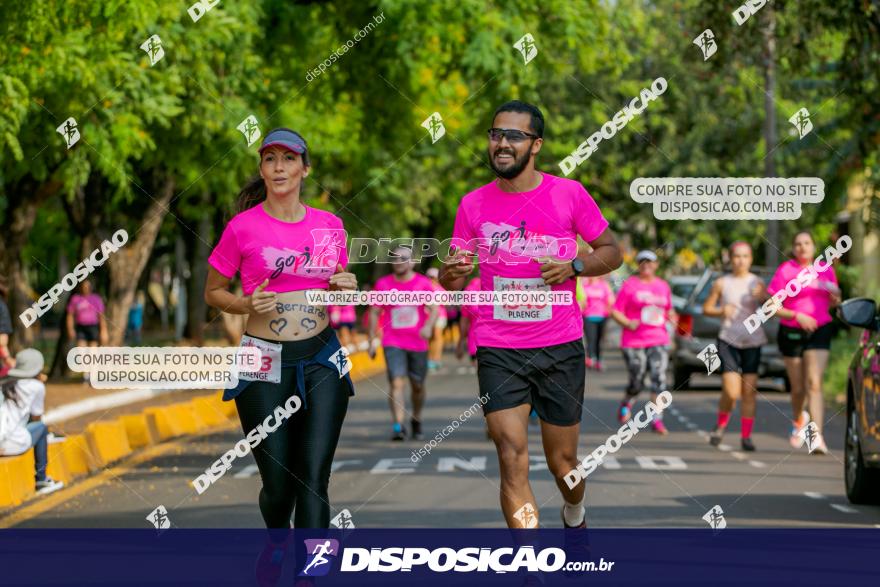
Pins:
x,y
643,306
805,335
281,248
597,302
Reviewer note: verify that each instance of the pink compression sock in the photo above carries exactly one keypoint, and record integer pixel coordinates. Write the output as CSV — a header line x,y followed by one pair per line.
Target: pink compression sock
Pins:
x,y
746,424
723,419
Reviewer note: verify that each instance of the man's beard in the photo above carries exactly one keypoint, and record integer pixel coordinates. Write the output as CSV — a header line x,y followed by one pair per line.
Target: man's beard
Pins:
x,y
519,163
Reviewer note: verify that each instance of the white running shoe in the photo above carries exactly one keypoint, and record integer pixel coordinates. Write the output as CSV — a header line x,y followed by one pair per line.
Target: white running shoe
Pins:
x,y
48,485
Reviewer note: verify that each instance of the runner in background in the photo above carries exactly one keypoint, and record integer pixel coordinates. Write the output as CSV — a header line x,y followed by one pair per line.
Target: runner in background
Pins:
x,y
642,307
466,325
343,319
135,324
7,361
595,307
733,298
406,331
805,335
435,347
85,319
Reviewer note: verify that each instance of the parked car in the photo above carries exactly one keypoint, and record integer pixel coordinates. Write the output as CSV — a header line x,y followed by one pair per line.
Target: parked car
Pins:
x,y
862,447
695,331
682,286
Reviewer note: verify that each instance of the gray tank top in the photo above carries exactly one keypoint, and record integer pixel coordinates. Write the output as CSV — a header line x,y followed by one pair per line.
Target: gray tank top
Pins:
x,y
738,291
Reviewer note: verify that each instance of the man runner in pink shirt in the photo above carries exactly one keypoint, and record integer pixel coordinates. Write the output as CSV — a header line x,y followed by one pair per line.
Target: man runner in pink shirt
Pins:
x,y
406,331
522,228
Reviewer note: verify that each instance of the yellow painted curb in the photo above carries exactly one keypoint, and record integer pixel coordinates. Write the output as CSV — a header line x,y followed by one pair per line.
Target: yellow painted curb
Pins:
x,y
108,441
162,423
362,366
57,468
75,452
185,418
209,410
16,478
138,430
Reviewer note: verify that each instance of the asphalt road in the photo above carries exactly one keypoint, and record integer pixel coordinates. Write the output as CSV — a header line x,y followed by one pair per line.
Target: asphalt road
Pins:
x,y
652,481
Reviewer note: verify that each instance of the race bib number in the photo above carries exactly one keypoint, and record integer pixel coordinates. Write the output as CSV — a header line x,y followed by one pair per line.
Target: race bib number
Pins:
x,y
404,317
653,316
270,362
525,312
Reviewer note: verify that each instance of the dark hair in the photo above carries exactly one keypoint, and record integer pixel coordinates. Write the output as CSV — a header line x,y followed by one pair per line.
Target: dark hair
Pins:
x,y
7,385
4,288
536,124
254,190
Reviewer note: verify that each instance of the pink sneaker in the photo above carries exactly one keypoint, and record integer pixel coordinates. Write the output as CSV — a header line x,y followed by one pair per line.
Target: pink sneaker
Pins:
x,y
658,427
588,362
598,366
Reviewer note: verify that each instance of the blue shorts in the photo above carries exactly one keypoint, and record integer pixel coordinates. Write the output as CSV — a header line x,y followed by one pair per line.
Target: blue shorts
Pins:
x,y
404,363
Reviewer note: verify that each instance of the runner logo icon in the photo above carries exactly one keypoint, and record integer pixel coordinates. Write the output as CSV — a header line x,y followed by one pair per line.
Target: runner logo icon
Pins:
x,y
318,562
709,356
801,121
434,125
706,42
715,518
527,47
249,129
154,50
69,131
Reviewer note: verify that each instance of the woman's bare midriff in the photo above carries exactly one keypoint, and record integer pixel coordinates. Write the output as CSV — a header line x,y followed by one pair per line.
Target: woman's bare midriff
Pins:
x,y
292,318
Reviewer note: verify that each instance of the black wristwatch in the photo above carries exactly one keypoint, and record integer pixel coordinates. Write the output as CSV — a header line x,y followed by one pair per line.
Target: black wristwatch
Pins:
x,y
577,266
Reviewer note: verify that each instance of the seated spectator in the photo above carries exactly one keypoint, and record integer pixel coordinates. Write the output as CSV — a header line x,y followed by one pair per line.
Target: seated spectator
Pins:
x,y
21,408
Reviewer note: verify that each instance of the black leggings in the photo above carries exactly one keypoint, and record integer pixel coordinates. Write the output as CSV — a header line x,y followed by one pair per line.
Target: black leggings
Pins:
x,y
593,332
294,460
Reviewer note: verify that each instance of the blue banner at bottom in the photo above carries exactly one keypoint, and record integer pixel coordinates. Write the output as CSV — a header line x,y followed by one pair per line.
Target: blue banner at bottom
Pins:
x,y
444,557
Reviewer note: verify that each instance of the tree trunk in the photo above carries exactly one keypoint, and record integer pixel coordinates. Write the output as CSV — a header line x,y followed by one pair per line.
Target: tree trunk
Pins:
x,y
198,248
127,264
24,199
768,31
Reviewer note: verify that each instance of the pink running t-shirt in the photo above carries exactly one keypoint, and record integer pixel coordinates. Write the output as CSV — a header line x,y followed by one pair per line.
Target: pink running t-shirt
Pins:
x,y
293,255
471,312
598,298
813,300
649,303
401,324
86,310
342,314
514,230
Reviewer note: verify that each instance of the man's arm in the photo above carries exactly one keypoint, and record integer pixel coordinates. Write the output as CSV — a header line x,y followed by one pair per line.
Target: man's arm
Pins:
x,y
604,258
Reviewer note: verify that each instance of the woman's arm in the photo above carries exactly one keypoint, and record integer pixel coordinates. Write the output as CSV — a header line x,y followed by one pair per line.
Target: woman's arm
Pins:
x,y
710,306
217,295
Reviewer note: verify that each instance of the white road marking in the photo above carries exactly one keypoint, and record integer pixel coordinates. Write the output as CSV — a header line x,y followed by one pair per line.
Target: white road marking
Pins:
x,y
703,433
738,455
339,464
392,466
449,464
248,471
725,447
844,508
814,495
757,464
661,463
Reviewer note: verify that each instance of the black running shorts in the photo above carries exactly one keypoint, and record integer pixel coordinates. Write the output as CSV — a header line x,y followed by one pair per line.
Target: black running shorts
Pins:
x,y
550,379
737,360
794,341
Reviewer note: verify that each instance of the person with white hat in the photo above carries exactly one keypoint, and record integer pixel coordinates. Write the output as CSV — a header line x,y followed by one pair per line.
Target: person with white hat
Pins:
x,y
21,409
642,308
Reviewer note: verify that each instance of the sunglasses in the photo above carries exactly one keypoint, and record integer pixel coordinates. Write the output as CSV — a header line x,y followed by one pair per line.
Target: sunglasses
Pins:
x,y
512,135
